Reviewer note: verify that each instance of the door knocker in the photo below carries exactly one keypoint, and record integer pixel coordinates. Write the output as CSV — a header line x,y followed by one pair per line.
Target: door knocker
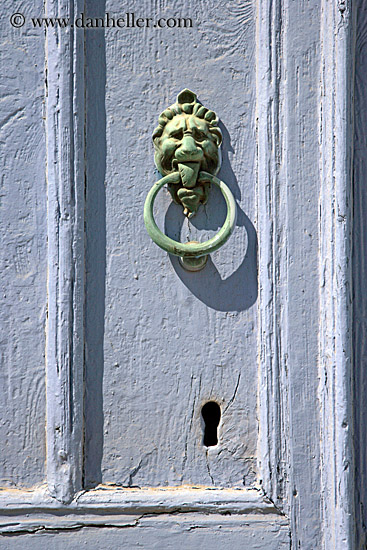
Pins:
x,y
187,153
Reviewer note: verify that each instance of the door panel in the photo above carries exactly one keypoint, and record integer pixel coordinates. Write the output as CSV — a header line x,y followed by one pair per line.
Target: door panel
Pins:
x,y
175,340
23,259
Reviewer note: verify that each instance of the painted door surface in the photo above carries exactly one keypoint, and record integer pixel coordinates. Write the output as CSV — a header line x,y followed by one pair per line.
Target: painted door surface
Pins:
x,y
170,340
111,349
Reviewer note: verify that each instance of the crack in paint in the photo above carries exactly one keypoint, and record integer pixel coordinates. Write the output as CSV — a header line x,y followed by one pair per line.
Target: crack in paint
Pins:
x,y
75,527
208,466
234,394
138,467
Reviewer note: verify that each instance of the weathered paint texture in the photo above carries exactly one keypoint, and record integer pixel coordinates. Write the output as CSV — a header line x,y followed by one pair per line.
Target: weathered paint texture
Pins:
x,y
335,334
23,256
65,216
173,340
359,269
135,344
194,531
288,210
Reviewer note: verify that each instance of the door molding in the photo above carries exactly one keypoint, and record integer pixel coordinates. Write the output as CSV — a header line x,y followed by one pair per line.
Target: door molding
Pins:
x,y
65,131
285,473
336,356
271,225
31,511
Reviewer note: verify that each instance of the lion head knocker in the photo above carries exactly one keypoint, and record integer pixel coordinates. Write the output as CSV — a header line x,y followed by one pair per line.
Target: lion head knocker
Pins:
x,y
186,143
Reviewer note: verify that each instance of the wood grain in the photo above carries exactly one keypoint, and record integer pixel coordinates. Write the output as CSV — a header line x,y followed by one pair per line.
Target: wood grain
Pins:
x,y
289,184
336,416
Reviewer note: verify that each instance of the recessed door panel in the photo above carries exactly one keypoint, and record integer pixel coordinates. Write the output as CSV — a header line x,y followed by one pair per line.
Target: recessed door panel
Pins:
x,y
171,341
23,256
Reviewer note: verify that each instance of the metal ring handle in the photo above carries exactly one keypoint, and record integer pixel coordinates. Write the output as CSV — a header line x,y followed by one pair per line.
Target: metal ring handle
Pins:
x,y
190,250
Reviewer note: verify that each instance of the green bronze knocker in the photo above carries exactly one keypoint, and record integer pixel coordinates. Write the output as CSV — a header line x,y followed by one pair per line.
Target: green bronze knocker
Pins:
x,y
187,153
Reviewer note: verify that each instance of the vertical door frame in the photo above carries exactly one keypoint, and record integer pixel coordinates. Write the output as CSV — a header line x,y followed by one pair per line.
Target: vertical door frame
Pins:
x,y
65,162
277,429
336,211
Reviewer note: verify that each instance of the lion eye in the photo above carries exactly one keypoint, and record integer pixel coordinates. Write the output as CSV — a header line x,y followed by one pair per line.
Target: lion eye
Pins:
x,y
199,136
178,134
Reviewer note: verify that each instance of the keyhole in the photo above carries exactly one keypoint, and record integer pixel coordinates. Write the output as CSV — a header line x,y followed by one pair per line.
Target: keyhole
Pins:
x,y
211,416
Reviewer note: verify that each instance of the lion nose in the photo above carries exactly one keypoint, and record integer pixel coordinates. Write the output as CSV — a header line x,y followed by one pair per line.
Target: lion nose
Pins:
x,y
188,150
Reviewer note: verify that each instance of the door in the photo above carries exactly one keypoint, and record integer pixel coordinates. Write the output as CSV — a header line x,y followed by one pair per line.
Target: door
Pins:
x,y
146,405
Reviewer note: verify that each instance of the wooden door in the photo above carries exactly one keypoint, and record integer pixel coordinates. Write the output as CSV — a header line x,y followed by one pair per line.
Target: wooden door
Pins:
x,y
111,349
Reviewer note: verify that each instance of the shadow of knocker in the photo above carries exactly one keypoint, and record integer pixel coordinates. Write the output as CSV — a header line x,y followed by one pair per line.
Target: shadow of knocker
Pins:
x,y
236,291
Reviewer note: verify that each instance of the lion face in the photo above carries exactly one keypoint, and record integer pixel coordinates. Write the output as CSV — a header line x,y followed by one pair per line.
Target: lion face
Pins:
x,y
187,139
186,144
